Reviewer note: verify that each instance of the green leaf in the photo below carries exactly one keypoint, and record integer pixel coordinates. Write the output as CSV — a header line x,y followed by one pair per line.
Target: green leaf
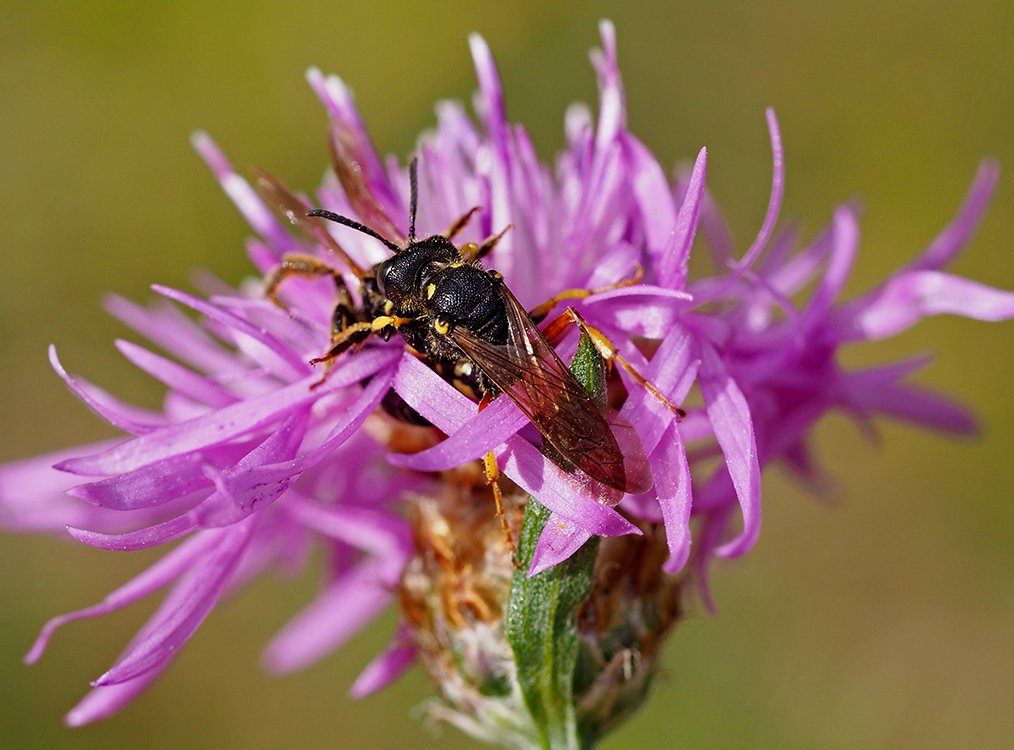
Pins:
x,y
542,610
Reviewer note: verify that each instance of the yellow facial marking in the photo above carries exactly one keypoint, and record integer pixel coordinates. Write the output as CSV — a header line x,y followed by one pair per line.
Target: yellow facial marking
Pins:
x,y
430,291
388,307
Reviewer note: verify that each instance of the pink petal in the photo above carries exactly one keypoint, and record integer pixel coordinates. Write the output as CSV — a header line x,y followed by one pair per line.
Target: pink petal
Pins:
x,y
131,541
641,310
262,477
387,667
259,216
672,267
123,416
384,536
160,482
770,216
484,431
904,300
229,422
102,702
913,404
730,418
651,191
956,235
176,376
278,358
844,243
559,539
330,620
246,487
166,326
672,370
337,99
671,470
192,599
158,575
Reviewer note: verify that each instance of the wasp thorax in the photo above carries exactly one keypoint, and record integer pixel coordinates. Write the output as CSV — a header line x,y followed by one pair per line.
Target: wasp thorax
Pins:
x,y
468,296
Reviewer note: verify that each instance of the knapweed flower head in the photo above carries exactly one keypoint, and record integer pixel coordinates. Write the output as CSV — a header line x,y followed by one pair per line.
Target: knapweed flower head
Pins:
x,y
255,459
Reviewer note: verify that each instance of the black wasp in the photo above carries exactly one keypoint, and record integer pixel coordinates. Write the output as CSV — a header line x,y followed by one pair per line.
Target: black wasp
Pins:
x,y
462,320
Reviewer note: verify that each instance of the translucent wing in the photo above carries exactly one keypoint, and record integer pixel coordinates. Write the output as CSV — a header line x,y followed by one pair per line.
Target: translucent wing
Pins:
x,y
348,167
579,434
294,210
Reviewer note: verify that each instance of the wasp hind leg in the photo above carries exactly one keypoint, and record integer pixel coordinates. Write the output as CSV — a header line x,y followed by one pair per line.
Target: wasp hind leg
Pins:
x,y
608,351
492,479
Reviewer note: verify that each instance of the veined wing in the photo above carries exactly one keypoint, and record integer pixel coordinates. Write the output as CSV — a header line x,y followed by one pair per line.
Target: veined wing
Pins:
x,y
579,434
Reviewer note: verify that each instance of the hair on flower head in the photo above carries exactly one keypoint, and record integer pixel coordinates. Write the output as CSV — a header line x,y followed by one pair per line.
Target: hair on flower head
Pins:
x,y
450,352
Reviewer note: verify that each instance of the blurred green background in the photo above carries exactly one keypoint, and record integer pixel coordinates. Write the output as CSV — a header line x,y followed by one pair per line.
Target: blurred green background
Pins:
x,y
883,620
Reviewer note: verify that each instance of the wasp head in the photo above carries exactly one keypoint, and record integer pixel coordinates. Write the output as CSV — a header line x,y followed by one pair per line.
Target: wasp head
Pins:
x,y
403,277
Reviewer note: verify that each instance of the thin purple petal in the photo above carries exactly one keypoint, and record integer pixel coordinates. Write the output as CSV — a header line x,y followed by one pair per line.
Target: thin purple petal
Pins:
x,y
158,575
194,598
672,269
906,299
387,667
335,616
730,418
229,422
559,539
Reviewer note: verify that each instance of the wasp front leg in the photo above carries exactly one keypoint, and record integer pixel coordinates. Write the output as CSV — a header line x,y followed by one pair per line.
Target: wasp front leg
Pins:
x,y
307,266
348,332
352,335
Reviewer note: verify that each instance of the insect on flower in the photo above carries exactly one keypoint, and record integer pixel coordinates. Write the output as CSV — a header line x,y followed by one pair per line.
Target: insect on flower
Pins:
x,y
464,321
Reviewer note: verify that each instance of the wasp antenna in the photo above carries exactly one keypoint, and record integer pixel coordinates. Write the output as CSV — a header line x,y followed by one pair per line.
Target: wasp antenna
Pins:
x,y
339,219
413,181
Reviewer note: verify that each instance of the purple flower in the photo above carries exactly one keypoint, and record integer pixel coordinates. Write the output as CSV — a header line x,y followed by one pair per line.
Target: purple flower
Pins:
x,y
250,466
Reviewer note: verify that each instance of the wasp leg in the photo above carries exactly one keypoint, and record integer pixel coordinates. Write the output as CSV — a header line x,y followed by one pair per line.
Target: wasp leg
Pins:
x,y
490,242
471,251
351,336
492,475
461,223
559,326
299,264
346,335
539,313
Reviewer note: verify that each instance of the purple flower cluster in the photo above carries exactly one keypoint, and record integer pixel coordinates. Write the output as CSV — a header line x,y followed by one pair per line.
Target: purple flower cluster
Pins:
x,y
250,466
